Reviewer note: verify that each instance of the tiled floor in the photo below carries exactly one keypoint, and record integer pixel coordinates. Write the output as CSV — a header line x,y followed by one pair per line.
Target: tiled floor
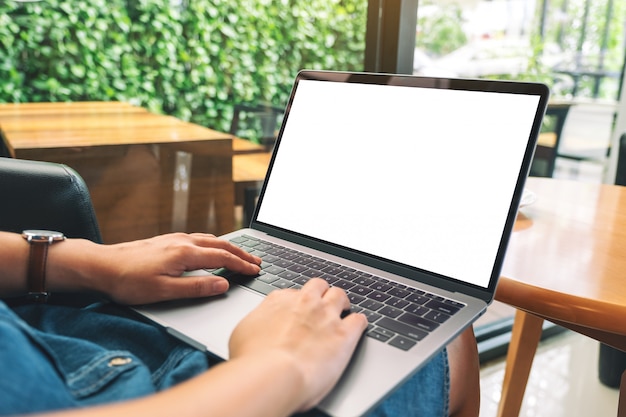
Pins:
x,y
563,381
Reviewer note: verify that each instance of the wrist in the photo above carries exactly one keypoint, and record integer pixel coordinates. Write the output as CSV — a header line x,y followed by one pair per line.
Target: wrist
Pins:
x,y
74,266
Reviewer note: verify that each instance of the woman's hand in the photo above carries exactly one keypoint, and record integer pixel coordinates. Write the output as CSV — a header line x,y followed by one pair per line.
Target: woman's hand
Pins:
x,y
149,270
305,327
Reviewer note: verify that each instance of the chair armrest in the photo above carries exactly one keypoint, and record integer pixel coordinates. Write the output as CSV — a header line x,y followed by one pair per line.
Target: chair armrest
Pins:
x,y
45,195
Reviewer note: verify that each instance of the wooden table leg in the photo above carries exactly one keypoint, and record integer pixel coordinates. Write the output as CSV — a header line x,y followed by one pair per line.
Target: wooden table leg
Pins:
x,y
524,341
211,195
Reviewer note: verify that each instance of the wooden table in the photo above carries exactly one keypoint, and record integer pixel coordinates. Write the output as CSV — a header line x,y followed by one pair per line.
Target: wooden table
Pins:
x,y
128,158
566,263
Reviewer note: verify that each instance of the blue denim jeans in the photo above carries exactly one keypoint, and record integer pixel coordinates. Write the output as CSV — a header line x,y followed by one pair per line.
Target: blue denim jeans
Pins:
x,y
56,357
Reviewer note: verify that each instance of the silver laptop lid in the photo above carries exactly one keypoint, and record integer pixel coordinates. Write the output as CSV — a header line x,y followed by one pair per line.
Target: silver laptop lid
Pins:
x,y
421,177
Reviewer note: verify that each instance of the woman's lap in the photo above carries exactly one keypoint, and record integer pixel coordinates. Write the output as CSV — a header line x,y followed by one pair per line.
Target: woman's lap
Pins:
x,y
149,360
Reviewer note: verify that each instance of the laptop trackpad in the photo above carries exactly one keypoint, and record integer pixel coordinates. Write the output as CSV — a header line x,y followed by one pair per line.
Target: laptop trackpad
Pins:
x,y
207,323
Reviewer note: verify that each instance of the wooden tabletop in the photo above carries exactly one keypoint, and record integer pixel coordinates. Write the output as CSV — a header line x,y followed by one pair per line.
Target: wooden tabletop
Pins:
x,y
566,261
128,158
33,126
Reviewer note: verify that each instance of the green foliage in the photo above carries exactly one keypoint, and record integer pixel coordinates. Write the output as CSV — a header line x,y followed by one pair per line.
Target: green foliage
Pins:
x,y
440,32
189,58
585,36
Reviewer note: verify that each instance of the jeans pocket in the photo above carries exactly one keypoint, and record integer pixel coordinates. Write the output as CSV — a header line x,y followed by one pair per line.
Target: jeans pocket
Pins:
x,y
110,376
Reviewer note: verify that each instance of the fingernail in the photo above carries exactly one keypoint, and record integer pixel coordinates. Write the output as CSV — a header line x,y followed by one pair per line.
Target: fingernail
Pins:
x,y
220,286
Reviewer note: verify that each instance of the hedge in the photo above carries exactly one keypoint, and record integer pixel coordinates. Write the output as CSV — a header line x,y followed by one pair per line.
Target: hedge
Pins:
x,y
189,58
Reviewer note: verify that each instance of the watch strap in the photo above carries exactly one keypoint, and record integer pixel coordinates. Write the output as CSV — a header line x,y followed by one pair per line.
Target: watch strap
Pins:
x,y
36,280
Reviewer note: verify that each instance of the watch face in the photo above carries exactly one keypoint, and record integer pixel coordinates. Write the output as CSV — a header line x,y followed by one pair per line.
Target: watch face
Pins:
x,y
42,235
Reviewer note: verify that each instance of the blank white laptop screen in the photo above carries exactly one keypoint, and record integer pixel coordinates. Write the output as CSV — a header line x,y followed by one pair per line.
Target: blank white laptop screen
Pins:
x,y
419,176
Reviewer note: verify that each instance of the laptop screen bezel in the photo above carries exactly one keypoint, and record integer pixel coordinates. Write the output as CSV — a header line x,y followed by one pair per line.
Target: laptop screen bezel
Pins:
x,y
413,273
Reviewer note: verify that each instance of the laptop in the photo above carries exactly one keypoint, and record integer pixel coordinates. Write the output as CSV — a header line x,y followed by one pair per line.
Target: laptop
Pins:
x,y
402,190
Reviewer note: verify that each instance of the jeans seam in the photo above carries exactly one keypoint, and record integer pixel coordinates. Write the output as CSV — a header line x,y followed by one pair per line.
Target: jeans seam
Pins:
x,y
173,359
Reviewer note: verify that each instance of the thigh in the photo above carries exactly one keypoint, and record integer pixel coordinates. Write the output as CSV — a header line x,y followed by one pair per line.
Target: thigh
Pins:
x,y
425,394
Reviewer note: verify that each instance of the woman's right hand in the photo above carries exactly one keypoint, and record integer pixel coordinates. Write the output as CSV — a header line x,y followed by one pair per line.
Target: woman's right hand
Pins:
x,y
305,326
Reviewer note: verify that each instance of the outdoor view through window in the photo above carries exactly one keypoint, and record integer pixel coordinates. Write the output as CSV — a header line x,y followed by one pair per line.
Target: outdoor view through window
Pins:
x,y
576,47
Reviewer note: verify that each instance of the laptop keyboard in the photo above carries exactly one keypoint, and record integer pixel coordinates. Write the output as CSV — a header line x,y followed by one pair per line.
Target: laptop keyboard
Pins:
x,y
397,314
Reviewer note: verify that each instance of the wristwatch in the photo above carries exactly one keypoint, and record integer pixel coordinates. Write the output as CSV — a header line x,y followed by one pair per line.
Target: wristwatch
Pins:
x,y
36,277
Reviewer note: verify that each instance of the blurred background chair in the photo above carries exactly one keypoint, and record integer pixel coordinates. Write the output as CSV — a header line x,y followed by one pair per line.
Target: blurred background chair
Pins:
x,y
611,361
549,140
258,124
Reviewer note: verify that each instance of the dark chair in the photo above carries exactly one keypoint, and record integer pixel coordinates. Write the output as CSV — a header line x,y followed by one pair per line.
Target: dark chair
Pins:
x,y
547,148
257,122
612,362
48,196
44,195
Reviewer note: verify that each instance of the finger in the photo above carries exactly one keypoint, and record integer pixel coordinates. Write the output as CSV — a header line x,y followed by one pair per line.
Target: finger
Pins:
x,y
337,297
219,258
194,287
211,241
356,321
316,285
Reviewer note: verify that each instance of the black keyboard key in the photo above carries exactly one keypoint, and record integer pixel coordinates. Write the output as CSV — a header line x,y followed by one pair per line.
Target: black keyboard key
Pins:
x,y
343,284
442,307
263,247
436,316
371,304
397,302
399,292
417,298
378,296
259,286
301,260
290,275
328,278
316,265
290,255
381,286
301,280
361,290
276,251
282,263
455,304
282,283
355,298
381,334
363,280
270,258
238,239
268,278
418,322
416,309
434,297
403,343
402,328
390,311
297,268
274,270
377,335
312,273
347,275
371,316
332,270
